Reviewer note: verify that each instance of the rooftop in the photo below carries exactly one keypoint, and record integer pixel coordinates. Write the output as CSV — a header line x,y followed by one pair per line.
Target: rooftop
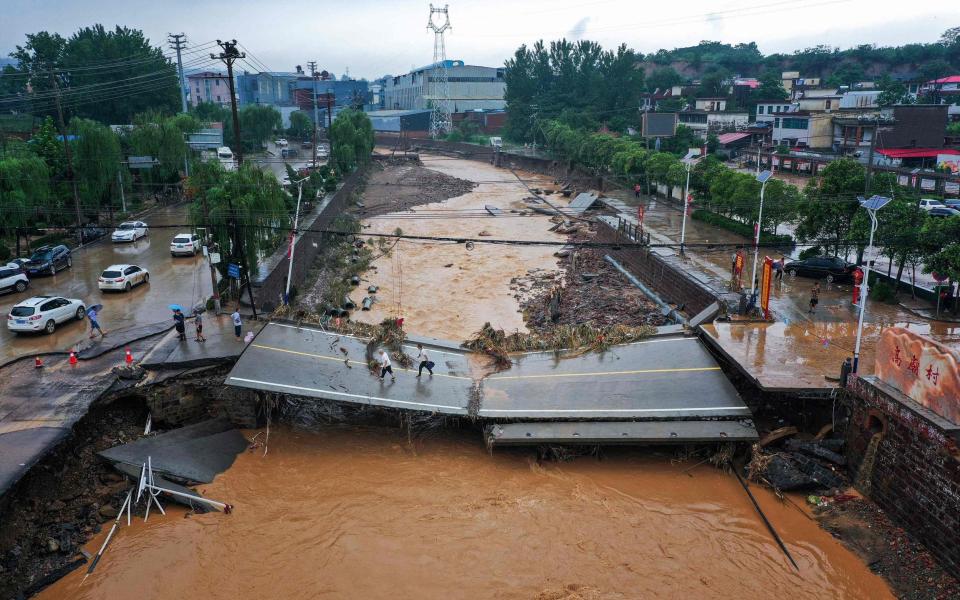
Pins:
x,y
916,152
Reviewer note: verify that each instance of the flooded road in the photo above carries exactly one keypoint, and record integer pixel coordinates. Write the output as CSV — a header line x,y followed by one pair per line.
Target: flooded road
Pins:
x,y
183,280
444,290
358,513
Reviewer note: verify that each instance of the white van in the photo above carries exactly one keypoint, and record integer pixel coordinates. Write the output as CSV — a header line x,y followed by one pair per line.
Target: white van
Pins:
x,y
496,142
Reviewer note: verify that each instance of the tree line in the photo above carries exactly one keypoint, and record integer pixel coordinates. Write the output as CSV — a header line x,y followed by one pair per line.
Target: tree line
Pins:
x,y
826,213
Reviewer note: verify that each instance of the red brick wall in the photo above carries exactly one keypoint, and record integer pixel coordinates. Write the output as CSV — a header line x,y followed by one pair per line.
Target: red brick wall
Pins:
x,y
916,472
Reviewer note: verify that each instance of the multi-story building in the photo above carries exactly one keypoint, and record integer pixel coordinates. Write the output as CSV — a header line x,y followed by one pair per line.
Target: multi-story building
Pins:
x,y
704,122
470,87
272,88
208,86
798,128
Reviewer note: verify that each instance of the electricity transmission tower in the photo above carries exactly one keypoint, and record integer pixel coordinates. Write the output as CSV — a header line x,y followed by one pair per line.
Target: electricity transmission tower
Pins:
x,y
439,83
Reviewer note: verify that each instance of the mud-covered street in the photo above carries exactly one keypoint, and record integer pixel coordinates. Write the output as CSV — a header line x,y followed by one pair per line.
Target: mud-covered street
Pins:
x,y
182,280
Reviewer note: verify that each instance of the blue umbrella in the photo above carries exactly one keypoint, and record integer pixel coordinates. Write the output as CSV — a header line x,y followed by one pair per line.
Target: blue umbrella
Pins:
x,y
176,307
96,307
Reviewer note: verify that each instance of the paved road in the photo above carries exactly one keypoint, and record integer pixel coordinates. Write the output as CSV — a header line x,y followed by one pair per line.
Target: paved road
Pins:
x,y
182,280
669,377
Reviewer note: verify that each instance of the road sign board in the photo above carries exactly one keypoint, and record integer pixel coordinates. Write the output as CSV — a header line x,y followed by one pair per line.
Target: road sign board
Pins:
x,y
233,271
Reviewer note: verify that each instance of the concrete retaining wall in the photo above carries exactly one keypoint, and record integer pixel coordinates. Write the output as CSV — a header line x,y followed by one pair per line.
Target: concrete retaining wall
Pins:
x,y
272,279
665,274
915,472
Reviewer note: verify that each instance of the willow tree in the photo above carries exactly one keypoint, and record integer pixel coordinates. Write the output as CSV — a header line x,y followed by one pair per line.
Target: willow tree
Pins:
x,y
163,138
245,211
24,192
96,160
351,140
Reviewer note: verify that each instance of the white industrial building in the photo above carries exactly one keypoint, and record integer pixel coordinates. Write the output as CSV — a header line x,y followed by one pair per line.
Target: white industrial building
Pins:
x,y
469,87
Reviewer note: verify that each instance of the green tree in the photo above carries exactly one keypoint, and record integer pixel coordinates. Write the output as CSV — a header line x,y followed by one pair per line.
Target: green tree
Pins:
x,y
663,78
258,124
301,127
96,158
891,92
829,204
163,138
248,201
351,140
103,75
771,87
715,83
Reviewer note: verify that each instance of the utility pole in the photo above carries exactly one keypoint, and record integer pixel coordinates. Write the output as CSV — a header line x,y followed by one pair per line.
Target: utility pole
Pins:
x,y
873,144
329,111
316,113
228,55
178,42
69,154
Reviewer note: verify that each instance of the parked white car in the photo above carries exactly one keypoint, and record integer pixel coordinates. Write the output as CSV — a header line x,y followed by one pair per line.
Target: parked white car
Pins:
x,y
130,231
12,277
44,313
281,142
185,243
929,203
122,277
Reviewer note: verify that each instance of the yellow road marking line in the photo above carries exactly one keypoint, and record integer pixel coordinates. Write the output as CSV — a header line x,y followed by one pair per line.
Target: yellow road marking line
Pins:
x,y
603,373
340,360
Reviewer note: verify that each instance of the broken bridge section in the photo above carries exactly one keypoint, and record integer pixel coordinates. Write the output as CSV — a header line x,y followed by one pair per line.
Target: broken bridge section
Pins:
x,y
665,379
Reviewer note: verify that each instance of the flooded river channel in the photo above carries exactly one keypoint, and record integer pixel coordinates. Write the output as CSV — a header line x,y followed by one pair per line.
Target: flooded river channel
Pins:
x,y
347,512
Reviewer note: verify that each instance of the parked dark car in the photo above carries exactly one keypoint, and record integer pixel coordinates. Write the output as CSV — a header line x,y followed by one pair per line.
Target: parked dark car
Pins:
x,y
955,203
306,144
830,268
47,260
943,212
90,233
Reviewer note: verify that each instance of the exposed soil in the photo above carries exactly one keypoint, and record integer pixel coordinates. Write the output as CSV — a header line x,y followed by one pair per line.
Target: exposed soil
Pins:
x,y
64,500
396,184
908,567
590,291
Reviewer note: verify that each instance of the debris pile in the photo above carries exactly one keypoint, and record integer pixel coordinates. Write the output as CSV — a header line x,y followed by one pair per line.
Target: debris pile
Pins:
x,y
399,184
591,291
786,463
573,339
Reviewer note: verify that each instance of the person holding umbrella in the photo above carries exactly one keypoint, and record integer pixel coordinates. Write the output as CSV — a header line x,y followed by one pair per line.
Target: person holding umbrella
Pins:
x,y
178,322
92,313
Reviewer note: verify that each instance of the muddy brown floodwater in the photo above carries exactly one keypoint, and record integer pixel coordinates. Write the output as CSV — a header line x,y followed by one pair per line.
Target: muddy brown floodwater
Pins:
x,y
444,290
348,512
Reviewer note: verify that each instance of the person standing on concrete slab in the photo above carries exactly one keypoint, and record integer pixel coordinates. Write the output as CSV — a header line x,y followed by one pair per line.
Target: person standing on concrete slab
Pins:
x,y
425,361
198,323
845,371
237,323
636,190
92,313
814,297
778,270
178,323
385,366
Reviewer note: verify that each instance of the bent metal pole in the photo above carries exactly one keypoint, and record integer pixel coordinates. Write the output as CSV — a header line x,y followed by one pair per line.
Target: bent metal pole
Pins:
x,y
293,241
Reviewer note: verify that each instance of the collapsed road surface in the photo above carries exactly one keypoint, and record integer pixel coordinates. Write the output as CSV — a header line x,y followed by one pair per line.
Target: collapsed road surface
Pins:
x,y
669,377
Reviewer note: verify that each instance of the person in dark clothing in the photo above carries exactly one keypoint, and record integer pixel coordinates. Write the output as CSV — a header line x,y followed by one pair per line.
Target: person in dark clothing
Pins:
x,y
814,297
845,371
178,323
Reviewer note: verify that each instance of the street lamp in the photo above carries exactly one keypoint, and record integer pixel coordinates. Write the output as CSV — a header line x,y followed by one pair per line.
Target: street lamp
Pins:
x,y
872,204
689,161
293,238
763,178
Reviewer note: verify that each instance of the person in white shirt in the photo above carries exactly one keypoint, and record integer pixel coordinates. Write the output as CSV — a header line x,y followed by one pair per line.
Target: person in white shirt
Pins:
x,y
385,366
237,323
425,361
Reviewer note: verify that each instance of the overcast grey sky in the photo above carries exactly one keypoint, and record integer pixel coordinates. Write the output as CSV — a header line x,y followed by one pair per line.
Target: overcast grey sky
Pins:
x,y
375,37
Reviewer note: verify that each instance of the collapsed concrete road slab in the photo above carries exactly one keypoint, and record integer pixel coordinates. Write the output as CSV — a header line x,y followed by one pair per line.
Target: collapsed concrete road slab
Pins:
x,y
666,378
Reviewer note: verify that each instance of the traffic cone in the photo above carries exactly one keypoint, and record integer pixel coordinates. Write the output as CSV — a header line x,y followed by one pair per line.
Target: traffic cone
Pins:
x,y
37,362
129,357
73,357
